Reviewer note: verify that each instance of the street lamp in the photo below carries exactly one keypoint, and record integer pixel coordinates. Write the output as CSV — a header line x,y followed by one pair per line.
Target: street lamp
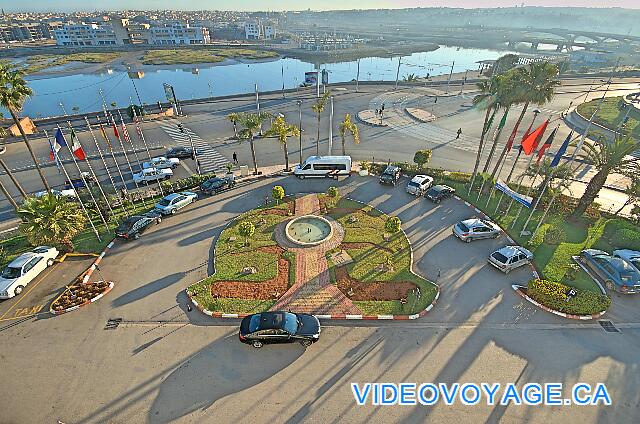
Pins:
x,y
194,152
299,103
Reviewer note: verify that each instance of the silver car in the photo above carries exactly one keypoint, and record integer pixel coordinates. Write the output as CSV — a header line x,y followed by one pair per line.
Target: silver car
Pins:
x,y
419,185
475,228
510,257
23,269
170,204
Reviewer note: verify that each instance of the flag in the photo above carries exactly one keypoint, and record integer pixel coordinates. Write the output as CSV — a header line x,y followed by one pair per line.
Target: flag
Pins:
x,y
503,121
556,160
530,143
76,147
546,145
55,148
115,130
60,140
104,135
513,136
125,133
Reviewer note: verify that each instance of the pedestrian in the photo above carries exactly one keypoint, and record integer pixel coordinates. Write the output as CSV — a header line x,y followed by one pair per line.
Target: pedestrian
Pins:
x,y
235,158
458,133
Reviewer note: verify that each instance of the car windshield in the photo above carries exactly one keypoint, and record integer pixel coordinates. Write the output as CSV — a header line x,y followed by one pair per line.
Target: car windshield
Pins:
x,y
463,227
128,223
499,257
11,272
164,202
282,320
630,278
635,262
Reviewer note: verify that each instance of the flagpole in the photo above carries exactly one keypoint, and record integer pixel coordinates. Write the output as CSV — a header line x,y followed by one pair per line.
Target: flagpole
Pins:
x,y
126,157
84,180
125,134
141,137
125,194
93,174
66,174
104,162
496,134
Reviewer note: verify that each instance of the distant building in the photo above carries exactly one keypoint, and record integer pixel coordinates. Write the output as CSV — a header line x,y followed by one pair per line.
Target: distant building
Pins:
x,y
176,33
256,30
13,33
86,35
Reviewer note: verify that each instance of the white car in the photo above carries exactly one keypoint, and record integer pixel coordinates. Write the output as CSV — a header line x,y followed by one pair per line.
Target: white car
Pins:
x,y
510,257
162,162
419,185
68,193
631,256
23,269
152,174
170,204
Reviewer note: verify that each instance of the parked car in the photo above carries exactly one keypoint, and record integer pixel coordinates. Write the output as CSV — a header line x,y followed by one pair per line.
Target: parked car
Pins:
x,y
631,256
171,203
419,185
390,175
617,273
475,228
78,182
181,152
23,269
134,226
161,162
152,174
216,185
439,192
279,327
509,258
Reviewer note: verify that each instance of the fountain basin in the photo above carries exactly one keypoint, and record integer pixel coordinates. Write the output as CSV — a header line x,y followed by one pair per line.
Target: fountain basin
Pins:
x,y
308,230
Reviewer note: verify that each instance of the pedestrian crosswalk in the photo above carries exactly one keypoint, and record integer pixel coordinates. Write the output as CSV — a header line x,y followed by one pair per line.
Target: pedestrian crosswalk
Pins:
x,y
209,158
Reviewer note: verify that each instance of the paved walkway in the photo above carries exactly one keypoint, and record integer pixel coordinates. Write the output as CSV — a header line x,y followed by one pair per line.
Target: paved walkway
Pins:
x,y
313,292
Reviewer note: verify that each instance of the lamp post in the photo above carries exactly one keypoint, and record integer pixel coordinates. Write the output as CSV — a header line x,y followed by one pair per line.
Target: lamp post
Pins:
x,y
299,103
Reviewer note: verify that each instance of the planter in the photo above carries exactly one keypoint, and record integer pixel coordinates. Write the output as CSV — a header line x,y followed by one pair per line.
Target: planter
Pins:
x,y
79,295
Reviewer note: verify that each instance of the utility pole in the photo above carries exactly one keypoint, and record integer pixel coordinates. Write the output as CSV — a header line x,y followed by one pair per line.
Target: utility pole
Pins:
x,y
358,75
464,81
398,72
450,74
330,127
300,127
282,74
318,83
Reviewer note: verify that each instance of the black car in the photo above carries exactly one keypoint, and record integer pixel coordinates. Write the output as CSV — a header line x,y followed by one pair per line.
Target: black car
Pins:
x,y
216,185
181,152
132,227
439,192
391,175
279,327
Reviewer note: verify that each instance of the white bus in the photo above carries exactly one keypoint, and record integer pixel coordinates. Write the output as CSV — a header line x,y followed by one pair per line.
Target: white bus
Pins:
x,y
324,166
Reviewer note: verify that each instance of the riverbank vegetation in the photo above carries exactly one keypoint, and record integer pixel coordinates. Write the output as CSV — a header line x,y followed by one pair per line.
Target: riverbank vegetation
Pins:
x,y
206,55
43,61
611,115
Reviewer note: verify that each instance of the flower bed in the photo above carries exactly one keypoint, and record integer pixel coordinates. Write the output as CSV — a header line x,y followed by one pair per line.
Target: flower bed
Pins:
x,y
79,294
555,296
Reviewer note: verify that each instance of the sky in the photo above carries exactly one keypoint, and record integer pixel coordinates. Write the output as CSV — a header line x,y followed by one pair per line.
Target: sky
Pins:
x,y
273,5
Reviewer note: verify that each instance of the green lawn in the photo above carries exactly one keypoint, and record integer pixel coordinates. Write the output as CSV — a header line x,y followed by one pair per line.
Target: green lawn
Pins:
x,y
207,55
610,114
42,61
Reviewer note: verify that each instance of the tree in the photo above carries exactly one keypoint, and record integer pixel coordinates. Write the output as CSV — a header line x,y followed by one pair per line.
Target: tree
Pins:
x,y
51,219
277,192
13,92
632,191
392,225
318,108
505,63
562,173
135,110
333,192
233,118
607,158
536,84
346,126
283,130
410,78
3,134
246,230
485,100
252,122
422,157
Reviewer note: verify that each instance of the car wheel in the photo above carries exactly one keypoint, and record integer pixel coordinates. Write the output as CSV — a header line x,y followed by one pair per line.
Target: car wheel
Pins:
x,y
173,211
496,235
438,201
159,220
18,290
257,344
609,284
305,342
49,262
467,240
136,236
301,177
174,166
508,270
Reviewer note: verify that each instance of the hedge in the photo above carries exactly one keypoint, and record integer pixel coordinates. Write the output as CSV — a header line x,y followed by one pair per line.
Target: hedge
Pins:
x,y
554,295
554,235
627,238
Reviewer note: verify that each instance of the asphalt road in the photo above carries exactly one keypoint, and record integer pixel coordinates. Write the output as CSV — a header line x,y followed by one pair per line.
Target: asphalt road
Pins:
x,y
165,364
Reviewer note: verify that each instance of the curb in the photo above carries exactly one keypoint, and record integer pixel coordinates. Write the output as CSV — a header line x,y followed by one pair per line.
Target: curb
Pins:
x,y
333,317
553,311
73,308
85,279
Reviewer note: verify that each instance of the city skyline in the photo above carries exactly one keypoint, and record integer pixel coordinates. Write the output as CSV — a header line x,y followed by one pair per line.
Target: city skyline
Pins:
x,y
255,5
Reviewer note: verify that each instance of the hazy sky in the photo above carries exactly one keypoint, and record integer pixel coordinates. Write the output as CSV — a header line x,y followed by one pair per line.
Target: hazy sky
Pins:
x,y
71,5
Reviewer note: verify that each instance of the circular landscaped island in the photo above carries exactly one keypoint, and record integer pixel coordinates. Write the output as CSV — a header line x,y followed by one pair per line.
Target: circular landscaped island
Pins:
x,y
308,230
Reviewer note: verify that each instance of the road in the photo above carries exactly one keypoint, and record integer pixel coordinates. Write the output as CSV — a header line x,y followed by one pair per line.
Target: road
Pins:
x,y
211,131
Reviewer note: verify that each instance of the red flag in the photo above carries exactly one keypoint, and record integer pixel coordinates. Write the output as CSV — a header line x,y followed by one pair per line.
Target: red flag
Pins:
x,y
125,133
546,145
76,147
115,131
530,143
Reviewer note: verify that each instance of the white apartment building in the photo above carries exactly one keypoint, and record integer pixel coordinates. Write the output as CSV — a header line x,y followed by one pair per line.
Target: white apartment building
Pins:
x,y
82,34
176,33
256,30
269,31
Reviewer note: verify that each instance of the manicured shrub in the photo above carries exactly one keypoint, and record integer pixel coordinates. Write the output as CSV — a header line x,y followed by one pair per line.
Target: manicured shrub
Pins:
x,y
333,192
554,295
554,235
627,238
538,238
246,230
392,225
277,192
460,177
422,157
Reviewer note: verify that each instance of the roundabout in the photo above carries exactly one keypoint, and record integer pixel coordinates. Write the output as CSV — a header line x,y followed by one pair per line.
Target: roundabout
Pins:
x,y
308,230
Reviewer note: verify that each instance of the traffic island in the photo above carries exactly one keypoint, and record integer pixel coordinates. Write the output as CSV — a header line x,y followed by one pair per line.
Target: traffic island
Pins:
x,y
371,118
277,268
78,295
420,115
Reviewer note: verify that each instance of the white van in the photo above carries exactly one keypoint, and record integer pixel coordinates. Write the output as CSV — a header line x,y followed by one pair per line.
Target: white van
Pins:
x,y
324,166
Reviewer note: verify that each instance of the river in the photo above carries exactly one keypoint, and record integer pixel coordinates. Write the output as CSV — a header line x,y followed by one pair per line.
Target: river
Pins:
x,y
80,92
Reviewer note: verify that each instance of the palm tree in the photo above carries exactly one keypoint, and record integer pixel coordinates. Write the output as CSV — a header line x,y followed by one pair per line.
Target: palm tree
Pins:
x,y
346,126
51,219
318,108
13,92
536,84
283,130
3,134
233,118
632,191
485,100
252,122
607,157
562,173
